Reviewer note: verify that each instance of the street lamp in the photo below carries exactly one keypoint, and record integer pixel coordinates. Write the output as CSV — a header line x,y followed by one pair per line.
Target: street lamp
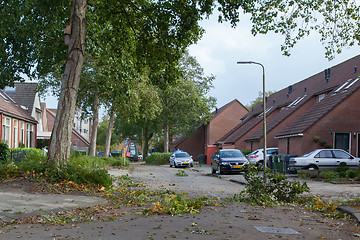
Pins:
x,y
264,110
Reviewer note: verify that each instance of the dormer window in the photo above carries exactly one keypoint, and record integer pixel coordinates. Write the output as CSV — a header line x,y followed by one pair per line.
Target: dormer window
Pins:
x,y
321,97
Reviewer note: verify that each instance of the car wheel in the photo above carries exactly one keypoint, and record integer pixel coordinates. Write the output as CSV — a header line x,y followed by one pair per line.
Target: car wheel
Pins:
x,y
312,167
213,171
221,171
170,164
191,165
175,166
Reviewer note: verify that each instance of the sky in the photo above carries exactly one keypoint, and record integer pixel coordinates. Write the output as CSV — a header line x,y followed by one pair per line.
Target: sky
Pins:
x,y
222,47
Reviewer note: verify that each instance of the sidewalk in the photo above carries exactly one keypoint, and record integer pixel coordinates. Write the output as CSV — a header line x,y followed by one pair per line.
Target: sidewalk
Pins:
x,y
17,205
22,204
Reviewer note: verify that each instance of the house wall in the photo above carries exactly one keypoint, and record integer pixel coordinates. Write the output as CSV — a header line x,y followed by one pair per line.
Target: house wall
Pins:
x,y
12,138
195,144
291,146
225,121
344,118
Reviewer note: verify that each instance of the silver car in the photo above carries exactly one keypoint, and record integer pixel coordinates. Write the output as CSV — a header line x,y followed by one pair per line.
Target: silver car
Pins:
x,y
323,159
181,159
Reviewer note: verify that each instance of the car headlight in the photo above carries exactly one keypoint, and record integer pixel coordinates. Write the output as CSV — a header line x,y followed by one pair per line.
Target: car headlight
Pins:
x,y
224,163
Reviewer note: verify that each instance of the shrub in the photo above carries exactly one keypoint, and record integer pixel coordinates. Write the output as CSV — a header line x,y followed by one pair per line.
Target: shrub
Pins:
x,y
350,173
99,177
342,174
342,168
158,158
74,154
4,153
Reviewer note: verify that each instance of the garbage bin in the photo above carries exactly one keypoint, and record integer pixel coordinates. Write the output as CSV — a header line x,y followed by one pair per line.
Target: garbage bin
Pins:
x,y
286,158
202,158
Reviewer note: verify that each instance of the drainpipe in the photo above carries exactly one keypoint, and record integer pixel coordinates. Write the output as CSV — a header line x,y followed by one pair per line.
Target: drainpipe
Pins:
x,y
1,126
35,136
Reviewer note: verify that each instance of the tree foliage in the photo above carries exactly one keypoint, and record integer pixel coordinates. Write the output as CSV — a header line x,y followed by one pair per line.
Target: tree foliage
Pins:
x,y
337,21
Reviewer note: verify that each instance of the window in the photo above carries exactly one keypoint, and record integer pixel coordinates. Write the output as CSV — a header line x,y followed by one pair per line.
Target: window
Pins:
x,y
16,134
22,136
341,154
342,141
324,154
29,135
321,97
6,130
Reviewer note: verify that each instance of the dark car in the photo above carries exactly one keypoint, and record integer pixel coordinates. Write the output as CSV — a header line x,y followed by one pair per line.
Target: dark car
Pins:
x,y
228,161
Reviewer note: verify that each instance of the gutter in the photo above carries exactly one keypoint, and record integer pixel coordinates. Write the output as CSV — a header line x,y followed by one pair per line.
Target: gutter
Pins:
x,y
290,135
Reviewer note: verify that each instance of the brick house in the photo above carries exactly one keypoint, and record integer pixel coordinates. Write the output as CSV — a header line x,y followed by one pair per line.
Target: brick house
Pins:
x,y
16,124
313,113
78,141
203,139
25,95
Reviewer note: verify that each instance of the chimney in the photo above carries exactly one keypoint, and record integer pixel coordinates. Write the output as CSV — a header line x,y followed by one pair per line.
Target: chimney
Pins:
x,y
327,74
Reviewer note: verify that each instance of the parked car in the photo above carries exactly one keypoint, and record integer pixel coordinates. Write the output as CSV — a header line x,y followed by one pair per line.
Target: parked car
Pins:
x,y
181,159
228,160
101,154
323,159
257,156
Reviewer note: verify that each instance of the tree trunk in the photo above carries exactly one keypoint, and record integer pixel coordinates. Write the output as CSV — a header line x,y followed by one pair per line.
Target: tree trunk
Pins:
x,y
60,141
147,138
109,133
94,127
166,137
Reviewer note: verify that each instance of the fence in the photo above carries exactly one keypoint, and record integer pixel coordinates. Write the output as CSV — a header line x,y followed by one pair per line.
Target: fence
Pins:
x,y
19,155
280,162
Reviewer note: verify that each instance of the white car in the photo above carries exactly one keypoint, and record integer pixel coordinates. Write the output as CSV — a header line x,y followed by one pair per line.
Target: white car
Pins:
x,y
257,156
181,159
323,159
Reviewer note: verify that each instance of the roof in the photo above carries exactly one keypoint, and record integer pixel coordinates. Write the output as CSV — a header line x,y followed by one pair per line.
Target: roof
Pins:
x,y
52,112
9,107
24,94
319,110
286,101
220,110
213,114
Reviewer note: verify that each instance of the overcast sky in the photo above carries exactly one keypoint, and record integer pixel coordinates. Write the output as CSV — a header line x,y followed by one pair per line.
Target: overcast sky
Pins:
x,y
222,46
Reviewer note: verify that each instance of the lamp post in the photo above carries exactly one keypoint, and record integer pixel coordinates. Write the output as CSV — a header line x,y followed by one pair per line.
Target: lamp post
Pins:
x,y
264,110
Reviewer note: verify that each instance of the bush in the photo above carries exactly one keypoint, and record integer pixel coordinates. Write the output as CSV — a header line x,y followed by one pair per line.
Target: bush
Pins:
x,y
351,173
74,154
4,153
158,158
342,168
99,177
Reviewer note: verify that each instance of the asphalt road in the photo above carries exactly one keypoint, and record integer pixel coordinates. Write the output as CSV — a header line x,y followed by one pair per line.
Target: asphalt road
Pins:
x,y
231,221
200,181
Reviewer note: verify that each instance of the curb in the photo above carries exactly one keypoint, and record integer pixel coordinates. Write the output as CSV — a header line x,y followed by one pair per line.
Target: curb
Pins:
x,y
353,212
239,182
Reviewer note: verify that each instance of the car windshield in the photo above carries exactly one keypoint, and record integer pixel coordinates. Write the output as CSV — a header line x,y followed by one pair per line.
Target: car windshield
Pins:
x,y
231,154
181,155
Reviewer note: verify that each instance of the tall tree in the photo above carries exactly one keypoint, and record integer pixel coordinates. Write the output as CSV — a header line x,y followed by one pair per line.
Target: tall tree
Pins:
x,y
185,103
59,147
